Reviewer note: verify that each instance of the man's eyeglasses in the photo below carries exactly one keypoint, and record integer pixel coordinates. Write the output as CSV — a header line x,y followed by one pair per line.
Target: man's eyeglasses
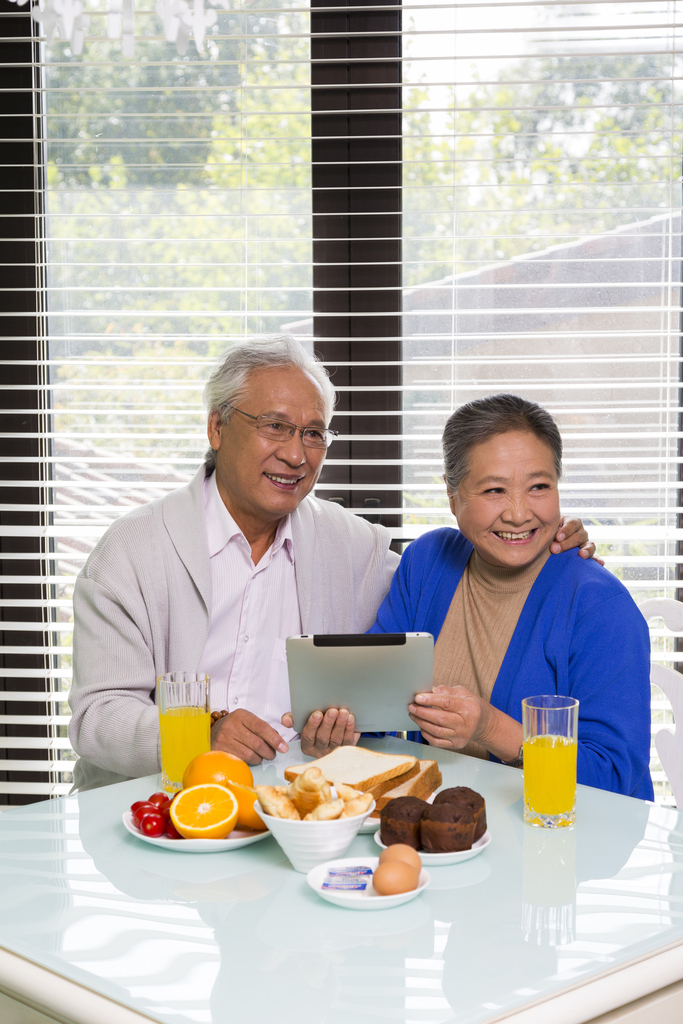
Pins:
x,y
280,430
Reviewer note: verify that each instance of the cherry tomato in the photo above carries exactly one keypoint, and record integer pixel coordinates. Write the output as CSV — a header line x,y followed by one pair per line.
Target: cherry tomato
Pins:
x,y
171,831
138,803
152,824
143,808
159,800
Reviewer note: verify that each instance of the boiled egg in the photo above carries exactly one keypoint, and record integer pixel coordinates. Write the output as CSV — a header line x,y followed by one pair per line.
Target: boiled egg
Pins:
x,y
395,877
399,851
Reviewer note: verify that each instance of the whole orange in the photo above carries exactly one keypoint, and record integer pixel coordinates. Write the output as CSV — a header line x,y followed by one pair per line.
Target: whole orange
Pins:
x,y
246,815
217,767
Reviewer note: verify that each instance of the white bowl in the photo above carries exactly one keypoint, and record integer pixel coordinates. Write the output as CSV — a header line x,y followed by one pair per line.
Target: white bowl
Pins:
x,y
309,843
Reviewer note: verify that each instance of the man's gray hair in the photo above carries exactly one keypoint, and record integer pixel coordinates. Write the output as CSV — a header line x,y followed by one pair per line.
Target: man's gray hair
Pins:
x,y
229,380
478,421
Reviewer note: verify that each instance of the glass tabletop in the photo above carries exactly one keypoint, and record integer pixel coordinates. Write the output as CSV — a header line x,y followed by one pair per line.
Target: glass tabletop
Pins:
x,y
239,936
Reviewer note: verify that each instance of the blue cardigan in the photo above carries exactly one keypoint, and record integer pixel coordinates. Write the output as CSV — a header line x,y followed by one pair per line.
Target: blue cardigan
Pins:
x,y
579,634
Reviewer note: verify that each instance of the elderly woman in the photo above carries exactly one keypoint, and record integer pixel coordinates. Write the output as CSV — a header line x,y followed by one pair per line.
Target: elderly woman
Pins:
x,y
509,621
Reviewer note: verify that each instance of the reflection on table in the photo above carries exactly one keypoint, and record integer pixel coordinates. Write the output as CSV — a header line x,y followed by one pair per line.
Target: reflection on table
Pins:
x,y
240,936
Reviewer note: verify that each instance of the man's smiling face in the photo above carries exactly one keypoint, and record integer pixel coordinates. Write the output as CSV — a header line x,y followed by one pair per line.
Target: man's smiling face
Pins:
x,y
261,480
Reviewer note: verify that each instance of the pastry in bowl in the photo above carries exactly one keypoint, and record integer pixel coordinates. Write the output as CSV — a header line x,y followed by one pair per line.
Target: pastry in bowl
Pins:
x,y
321,833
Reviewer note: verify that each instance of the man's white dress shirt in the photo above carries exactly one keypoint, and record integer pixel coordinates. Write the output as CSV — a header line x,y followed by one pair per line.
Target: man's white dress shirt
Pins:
x,y
254,608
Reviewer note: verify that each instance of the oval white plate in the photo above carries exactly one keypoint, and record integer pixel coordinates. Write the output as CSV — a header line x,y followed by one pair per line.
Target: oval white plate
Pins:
x,y
456,857
369,825
364,899
237,838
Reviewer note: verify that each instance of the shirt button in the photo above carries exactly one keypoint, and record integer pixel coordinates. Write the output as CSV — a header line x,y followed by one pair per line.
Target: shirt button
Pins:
x,y
245,639
236,700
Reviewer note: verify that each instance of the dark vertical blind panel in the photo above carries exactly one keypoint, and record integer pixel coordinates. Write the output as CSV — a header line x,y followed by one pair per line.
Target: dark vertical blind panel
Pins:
x,y
21,558
356,176
678,642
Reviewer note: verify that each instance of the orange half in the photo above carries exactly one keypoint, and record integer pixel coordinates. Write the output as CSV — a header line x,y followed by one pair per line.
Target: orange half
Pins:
x,y
204,812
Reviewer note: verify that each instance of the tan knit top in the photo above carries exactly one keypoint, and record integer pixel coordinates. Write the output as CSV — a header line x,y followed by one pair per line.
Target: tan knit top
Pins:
x,y
479,625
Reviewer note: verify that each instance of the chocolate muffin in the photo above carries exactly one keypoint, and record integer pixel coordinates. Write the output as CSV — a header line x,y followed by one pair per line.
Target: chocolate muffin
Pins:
x,y
400,821
463,796
446,828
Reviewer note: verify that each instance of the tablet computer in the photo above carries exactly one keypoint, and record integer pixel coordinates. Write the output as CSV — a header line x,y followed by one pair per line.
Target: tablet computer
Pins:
x,y
374,675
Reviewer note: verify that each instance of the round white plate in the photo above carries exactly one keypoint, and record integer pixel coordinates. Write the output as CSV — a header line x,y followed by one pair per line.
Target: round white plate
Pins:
x,y
369,825
237,838
456,857
364,899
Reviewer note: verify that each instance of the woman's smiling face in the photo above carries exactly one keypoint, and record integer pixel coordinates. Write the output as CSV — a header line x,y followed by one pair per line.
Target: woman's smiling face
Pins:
x,y
508,504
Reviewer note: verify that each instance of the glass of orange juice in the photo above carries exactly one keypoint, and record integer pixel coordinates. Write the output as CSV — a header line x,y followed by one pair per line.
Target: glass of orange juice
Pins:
x,y
550,726
184,700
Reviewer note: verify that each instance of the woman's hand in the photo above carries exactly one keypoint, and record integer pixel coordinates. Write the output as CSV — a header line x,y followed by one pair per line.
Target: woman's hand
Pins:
x,y
324,733
572,534
452,716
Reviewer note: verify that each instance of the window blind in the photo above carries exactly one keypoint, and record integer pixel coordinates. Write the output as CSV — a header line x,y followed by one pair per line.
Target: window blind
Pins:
x,y
542,225
443,200
177,216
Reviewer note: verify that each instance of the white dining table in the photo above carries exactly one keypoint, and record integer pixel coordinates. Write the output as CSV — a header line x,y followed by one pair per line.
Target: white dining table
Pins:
x,y
563,926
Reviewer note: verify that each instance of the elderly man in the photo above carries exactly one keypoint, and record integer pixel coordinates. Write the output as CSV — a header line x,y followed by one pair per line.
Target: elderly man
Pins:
x,y
215,576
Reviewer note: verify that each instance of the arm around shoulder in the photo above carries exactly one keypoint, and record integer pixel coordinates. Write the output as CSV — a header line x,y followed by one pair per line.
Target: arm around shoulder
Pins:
x,y
395,614
424,583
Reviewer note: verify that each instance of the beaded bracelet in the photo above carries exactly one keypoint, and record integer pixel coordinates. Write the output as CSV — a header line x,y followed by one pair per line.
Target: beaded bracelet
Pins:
x,y
217,715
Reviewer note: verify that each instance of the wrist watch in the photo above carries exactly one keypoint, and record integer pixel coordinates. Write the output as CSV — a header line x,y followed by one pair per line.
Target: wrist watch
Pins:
x,y
517,762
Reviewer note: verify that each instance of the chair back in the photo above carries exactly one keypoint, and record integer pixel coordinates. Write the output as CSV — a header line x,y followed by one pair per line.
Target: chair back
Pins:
x,y
669,744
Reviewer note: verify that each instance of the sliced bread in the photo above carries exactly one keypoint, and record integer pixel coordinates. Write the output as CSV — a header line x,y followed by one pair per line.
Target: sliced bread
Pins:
x,y
357,767
383,787
425,781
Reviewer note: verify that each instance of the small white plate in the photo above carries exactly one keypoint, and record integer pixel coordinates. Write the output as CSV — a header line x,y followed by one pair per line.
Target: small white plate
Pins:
x,y
363,899
456,857
369,825
237,838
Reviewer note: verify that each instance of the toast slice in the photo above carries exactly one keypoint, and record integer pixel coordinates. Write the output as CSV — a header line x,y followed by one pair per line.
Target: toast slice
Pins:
x,y
382,787
357,767
425,781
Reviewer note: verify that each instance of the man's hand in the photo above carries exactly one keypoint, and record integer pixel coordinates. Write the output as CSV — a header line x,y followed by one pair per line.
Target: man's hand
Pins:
x,y
572,534
451,716
246,736
324,733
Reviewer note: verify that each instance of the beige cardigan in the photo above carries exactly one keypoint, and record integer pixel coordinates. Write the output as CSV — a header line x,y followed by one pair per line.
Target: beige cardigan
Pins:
x,y
142,606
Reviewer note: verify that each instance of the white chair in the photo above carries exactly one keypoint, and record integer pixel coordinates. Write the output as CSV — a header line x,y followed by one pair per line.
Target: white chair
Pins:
x,y
669,744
